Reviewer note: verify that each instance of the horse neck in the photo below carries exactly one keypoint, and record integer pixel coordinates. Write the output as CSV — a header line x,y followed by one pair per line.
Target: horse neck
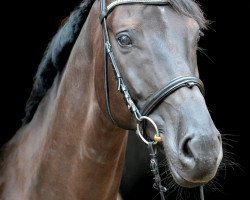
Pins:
x,y
71,148
82,146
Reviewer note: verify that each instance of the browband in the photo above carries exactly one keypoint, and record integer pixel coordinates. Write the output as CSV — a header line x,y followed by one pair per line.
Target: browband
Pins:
x,y
120,2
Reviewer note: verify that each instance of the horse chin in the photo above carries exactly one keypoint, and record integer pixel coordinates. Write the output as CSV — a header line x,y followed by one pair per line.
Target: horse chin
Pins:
x,y
180,180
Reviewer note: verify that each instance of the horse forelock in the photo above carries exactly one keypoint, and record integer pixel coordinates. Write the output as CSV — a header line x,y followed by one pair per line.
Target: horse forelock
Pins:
x,y
191,9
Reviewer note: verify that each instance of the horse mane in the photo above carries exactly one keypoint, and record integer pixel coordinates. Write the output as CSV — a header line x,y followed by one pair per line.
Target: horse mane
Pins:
x,y
56,56
58,50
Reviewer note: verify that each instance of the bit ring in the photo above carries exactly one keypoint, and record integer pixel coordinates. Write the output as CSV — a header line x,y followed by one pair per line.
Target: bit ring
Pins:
x,y
157,137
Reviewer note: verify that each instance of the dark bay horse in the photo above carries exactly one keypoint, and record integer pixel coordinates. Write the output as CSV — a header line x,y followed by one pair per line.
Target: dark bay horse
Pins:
x,y
74,136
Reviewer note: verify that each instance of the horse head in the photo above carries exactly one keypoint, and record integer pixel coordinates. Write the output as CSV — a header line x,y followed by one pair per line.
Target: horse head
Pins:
x,y
154,47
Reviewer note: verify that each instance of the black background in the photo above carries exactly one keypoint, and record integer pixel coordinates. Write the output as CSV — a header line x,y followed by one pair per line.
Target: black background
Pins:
x,y
27,27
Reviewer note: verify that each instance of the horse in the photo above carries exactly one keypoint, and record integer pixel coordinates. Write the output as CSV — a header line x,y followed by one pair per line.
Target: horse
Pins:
x,y
113,67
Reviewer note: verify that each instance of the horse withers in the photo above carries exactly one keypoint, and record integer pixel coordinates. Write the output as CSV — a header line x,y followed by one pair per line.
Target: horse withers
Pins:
x,y
74,137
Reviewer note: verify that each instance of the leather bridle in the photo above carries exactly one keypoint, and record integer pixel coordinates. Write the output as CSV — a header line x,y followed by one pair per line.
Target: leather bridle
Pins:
x,y
153,100
158,96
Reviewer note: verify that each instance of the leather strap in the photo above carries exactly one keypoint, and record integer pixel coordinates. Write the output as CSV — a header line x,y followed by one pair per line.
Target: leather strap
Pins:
x,y
175,84
115,3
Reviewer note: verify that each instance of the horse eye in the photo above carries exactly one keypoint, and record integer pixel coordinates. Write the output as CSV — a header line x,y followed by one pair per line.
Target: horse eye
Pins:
x,y
124,40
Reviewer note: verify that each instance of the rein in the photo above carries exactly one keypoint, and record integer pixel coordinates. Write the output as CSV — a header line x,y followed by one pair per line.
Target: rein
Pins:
x,y
154,100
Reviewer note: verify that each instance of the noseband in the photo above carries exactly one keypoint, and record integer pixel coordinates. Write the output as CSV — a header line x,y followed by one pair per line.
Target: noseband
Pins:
x,y
153,100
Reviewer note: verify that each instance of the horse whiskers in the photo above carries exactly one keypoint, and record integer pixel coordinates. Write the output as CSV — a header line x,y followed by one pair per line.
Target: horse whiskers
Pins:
x,y
168,180
213,186
184,193
228,156
188,193
227,139
229,161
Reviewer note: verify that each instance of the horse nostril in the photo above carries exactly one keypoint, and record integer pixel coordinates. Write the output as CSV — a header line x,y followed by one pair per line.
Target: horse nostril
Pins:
x,y
186,147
